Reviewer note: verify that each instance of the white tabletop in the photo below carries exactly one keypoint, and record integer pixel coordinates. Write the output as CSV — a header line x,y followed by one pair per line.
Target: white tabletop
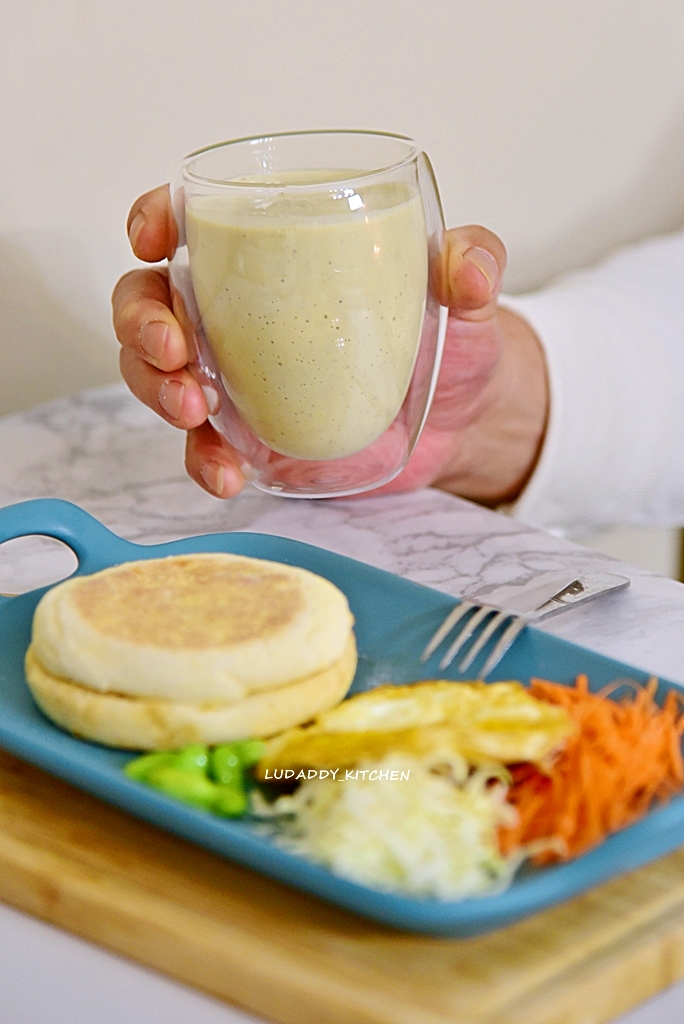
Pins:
x,y
105,452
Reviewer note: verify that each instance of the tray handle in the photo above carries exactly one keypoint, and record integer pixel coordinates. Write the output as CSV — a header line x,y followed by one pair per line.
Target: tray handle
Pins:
x,y
53,517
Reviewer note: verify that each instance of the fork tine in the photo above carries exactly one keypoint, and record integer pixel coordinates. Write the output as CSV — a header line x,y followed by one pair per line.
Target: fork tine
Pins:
x,y
505,641
464,634
482,639
452,618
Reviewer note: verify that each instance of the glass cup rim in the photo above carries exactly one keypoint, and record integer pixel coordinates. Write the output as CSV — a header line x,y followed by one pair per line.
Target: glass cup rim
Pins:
x,y
413,152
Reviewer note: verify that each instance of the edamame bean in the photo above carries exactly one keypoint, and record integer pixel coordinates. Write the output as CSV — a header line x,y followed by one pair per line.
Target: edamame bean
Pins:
x,y
210,779
230,802
193,758
226,766
188,786
140,767
249,751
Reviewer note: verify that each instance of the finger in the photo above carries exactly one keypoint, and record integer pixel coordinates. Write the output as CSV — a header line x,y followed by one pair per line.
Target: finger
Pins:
x,y
471,272
143,320
176,397
213,463
151,226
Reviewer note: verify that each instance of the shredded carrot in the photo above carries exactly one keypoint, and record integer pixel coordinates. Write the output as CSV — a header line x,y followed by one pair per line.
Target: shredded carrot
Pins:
x,y
624,757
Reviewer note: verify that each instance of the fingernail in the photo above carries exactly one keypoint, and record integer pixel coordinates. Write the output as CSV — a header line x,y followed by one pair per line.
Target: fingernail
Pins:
x,y
154,337
171,398
485,263
211,398
212,474
136,227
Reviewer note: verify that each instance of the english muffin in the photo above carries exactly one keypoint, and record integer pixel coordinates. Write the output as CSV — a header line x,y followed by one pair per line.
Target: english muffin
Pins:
x,y
193,648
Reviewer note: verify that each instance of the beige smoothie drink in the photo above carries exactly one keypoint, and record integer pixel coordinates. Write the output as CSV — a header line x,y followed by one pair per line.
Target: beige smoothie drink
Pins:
x,y
313,306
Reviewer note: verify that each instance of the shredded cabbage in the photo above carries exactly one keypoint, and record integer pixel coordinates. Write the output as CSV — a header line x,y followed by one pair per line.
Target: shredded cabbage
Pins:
x,y
431,834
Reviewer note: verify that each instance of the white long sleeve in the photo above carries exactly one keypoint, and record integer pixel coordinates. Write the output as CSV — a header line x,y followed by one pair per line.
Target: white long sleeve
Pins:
x,y
614,343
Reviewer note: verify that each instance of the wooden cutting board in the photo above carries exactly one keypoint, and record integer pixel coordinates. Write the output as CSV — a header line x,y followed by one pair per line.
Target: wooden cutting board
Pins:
x,y
87,867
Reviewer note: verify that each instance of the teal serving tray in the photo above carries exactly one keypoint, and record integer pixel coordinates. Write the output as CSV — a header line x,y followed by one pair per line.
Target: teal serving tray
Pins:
x,y
394,619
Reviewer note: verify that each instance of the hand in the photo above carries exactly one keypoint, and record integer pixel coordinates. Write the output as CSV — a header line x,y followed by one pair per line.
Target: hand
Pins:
x,y
488,416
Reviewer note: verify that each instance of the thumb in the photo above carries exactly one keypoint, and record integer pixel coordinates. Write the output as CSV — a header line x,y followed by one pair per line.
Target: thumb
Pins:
x,y
151,226
470,270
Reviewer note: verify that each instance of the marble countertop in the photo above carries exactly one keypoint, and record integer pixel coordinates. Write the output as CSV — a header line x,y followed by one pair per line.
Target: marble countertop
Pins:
x,y
105,452
114,458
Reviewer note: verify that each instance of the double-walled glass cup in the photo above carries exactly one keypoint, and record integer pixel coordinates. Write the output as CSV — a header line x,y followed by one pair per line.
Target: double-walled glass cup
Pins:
x,y
302,278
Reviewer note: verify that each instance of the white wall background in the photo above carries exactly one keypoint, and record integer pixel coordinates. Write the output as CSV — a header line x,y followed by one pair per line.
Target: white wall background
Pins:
x,y
558,124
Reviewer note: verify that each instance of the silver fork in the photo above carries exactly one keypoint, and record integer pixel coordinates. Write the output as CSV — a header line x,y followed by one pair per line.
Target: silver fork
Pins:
x,y
534,604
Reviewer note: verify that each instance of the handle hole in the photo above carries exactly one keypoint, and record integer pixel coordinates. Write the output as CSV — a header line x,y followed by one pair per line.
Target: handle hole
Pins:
x,y
27,563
